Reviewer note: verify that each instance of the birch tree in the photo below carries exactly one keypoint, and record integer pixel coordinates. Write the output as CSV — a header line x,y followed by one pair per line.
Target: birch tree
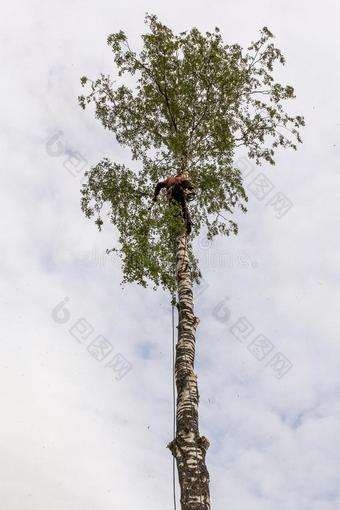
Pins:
x,y
184,104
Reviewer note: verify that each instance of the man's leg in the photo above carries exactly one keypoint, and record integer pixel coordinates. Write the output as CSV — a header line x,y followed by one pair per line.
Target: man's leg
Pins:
x,y
185,211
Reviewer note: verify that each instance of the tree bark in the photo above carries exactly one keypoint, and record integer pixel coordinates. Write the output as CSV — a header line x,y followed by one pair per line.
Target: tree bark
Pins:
x,y
188,447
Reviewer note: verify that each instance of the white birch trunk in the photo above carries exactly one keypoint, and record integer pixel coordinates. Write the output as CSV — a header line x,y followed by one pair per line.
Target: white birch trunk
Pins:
x,y
188,447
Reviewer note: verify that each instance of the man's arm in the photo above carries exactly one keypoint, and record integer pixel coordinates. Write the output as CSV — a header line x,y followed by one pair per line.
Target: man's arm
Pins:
x,y
158,188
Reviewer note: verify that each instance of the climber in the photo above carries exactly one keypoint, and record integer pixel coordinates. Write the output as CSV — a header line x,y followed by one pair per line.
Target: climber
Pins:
x,y
177,188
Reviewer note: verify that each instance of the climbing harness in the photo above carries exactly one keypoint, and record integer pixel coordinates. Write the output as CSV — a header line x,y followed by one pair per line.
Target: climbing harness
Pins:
x,y
189,195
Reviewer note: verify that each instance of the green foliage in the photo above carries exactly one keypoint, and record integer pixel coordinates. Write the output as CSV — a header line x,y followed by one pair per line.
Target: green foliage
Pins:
x,y
195,101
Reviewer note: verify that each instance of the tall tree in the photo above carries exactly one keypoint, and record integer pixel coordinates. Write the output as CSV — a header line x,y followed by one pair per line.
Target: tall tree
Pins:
x,y
192,101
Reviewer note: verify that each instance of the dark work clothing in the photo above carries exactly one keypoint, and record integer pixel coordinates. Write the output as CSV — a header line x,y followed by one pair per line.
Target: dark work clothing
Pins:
x,y
178,194
175,186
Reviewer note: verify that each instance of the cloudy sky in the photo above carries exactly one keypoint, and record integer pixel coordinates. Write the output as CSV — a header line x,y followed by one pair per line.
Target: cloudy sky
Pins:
x,y
76,434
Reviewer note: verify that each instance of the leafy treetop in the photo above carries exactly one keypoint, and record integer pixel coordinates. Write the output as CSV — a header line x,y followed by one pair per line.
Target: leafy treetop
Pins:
x,y
195,101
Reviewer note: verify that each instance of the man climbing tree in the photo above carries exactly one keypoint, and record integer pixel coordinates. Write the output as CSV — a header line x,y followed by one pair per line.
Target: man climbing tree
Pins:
x,y
196,100
178,186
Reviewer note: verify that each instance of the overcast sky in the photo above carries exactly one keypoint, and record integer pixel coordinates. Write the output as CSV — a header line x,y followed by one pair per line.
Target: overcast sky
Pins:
x,y
76,434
